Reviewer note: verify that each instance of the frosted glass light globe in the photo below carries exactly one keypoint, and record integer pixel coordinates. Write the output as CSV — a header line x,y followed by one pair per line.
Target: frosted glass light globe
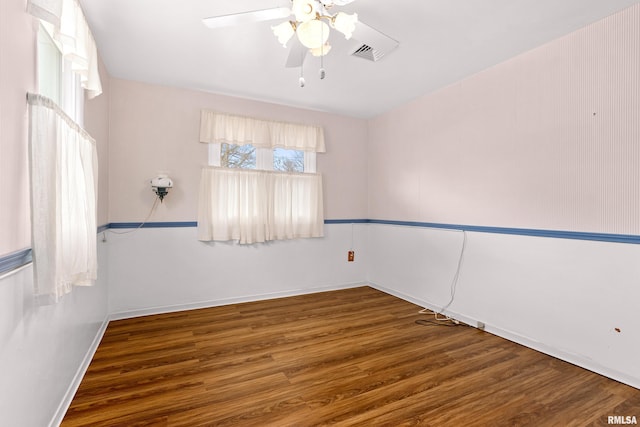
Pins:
x,y
345,23
313,34
283,32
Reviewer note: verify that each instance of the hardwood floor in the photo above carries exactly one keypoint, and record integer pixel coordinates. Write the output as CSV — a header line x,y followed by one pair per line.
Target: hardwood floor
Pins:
x,y
350,357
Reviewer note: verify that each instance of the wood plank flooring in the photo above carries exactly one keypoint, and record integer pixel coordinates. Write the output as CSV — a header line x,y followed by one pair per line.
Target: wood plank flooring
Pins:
x,y
354,357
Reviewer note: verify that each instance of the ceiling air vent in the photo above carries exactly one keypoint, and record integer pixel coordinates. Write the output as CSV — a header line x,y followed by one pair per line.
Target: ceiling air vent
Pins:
x,y
367,52
375,44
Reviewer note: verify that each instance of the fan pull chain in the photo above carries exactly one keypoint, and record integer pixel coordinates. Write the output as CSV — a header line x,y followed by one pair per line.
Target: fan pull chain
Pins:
x,y
322,72
301,79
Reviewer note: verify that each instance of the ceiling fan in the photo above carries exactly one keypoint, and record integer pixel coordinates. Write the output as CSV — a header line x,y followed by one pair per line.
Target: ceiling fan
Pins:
x,y
311,21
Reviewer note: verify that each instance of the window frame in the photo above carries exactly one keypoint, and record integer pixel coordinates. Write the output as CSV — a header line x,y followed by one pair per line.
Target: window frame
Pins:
x,y
264,158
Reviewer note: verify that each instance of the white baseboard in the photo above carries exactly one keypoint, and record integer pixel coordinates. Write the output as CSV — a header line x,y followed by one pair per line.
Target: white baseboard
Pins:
x,y
77,379
575,359
215,303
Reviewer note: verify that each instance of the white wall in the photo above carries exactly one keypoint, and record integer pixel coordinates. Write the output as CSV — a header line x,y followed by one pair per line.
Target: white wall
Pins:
x,y
17,77
157,128
164,269
45,349
42,348
547,140
560,296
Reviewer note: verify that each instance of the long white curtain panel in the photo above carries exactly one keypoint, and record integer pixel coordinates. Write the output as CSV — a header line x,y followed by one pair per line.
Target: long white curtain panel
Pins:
x,y
64,171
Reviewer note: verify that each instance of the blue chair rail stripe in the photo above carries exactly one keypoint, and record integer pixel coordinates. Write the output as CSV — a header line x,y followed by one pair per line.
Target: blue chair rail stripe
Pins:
x,y
174,224
558,234
15,260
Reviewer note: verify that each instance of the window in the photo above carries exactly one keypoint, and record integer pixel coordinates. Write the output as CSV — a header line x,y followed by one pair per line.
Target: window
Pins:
x,y
238,156
288,160
49,66
249,157
64,22
261,183
63,157
56,78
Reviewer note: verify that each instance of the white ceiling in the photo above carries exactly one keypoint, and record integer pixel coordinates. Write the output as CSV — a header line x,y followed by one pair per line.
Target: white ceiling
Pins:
x,y
441,41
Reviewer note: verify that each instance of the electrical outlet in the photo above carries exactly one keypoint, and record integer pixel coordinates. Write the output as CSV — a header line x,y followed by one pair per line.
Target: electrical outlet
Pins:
x,y
351,255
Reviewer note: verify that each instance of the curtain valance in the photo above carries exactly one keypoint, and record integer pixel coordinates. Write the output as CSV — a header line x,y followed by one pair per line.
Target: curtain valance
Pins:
x,y
231,129
72,32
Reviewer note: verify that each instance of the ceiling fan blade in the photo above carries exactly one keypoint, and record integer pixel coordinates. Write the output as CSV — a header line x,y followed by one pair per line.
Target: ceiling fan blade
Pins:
x,y
297,53
378,41
246,17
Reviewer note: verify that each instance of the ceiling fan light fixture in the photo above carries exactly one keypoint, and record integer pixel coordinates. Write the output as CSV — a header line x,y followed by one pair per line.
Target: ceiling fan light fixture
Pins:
x,y
313,34
304,10
345,23
284,32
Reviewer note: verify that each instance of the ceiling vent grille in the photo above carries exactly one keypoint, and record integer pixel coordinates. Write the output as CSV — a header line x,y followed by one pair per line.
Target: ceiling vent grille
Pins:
x,y
369,53
374,45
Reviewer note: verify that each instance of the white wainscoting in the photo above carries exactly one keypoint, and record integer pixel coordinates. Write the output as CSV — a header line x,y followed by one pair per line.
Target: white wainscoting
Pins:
x,y
573,299
45,350
154,270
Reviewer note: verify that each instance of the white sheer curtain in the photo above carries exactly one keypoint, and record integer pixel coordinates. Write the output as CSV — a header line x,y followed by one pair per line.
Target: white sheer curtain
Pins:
x,y
252,206
72,32
64,170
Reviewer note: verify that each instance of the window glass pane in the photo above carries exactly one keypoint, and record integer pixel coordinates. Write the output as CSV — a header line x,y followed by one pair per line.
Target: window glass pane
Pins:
x,y
288,160
238,156
72,94
49,67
